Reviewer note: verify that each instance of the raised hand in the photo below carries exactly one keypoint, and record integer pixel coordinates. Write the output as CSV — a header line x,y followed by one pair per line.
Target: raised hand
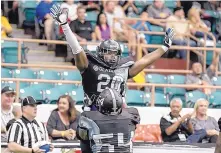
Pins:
x,y
168,37
60,15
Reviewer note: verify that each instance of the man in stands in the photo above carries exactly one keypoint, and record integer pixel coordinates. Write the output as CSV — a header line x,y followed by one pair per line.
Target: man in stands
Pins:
x,y
158,11
181,27
175,128
7,99
200,78
111,128
106,69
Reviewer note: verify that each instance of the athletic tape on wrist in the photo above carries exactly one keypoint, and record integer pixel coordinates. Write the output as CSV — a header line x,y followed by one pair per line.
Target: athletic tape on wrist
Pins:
x,y
165,48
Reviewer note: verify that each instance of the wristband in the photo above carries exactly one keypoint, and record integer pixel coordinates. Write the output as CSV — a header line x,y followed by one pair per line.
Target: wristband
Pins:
x,y
165,48
62,133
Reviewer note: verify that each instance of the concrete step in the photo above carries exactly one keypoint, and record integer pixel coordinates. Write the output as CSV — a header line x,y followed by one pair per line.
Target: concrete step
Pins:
x,y
41,52
37,47
44,58
50,63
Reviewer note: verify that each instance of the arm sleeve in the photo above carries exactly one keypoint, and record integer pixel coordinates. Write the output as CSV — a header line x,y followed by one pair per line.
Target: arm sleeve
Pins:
x,y
52,122
71,39
15,133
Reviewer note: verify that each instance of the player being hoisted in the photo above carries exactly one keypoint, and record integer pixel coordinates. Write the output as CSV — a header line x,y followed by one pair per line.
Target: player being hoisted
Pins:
x,y
106,68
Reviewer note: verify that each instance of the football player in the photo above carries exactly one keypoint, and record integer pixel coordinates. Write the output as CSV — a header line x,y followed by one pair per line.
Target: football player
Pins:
x,y
106,68
218,143
111,128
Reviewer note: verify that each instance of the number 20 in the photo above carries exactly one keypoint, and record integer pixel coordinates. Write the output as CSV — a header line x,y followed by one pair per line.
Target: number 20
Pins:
x,y
115,84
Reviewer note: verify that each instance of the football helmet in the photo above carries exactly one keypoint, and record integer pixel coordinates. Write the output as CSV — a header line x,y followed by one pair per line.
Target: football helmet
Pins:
x,y
109,102
111,48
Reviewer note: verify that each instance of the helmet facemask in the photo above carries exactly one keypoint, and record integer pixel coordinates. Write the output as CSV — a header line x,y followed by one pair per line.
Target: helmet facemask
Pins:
x,y
110,57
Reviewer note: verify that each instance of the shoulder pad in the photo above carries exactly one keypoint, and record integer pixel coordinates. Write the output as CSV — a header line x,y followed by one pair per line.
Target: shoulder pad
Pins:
x,y
126,62
93,58
135,116
89,125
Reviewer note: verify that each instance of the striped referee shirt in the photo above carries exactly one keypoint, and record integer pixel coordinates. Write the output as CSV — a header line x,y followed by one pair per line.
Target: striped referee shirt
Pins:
x,y
27,133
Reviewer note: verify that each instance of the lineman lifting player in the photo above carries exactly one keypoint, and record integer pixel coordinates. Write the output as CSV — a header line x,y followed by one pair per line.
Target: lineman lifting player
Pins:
x,y
106,68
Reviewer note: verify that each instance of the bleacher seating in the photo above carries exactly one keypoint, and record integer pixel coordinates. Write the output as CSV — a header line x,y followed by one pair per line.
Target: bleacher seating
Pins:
x,y
158,79
49,75
135,98
6,73
9,50
159,99
71,75
176,92
77,94
215,100
193,96
34,92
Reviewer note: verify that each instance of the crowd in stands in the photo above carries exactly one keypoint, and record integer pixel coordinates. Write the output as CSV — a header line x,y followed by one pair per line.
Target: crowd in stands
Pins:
x,y
195,127
193,17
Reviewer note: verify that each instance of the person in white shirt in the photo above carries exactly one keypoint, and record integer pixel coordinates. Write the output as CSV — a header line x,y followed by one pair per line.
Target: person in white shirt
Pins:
x,y
72,9
7,99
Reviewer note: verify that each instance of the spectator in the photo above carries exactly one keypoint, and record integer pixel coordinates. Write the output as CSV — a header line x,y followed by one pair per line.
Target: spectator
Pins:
x,y
130,9
218,143
81,28
143,26
102,29
91,5
6,28
181,27
13,12
63,121
72,9
197,25
158,11
45,20
28,134
204,122
200,78
175,128
7,99
120,30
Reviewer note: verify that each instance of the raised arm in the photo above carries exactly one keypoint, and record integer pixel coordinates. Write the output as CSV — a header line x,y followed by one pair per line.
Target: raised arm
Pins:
x,y
150,58
61,17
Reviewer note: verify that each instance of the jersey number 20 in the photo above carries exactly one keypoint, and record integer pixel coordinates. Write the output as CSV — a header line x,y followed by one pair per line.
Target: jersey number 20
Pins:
x,y
115,82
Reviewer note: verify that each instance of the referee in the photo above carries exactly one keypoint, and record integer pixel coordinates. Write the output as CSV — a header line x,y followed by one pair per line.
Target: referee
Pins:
x,y
26,134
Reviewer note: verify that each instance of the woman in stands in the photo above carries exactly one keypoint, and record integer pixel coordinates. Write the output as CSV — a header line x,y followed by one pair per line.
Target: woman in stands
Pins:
x,y
102,29
197,25
63,121
204,122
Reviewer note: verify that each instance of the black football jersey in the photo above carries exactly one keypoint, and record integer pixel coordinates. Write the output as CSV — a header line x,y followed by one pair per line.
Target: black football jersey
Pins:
x,y
98,76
